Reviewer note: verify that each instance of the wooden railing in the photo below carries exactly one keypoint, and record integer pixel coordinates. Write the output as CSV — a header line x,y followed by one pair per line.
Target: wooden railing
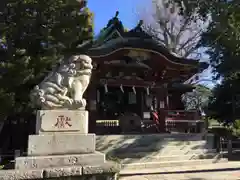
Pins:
x,y
107,127
235,144
182,115
172,116
183,121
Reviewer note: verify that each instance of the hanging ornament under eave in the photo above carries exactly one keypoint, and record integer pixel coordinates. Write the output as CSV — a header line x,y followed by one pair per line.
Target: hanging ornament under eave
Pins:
x,y
197,77
191,81
121,87
147,90
105,88
134,90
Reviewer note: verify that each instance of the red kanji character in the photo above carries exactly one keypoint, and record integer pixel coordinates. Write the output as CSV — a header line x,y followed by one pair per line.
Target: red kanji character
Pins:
x,y
62,121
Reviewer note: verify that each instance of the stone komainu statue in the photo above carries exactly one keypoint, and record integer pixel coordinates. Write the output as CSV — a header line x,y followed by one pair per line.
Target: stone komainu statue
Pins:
x,y
63,88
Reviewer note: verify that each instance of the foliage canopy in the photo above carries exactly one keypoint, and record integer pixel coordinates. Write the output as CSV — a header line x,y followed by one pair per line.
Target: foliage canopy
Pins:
x,y
222,39
33,36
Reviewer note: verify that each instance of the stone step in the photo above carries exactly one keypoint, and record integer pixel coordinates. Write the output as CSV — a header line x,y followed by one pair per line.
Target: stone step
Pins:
x,y
139,146
191,151
162,164
220,166
105,143
184,151
172,158
156,137
156,147
142,143
159,153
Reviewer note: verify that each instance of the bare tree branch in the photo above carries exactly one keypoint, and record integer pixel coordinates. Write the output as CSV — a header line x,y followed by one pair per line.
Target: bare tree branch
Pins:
x,y
178,33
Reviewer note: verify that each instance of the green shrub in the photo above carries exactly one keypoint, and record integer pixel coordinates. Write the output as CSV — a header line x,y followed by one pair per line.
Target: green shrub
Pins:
x,y
236,128
220,131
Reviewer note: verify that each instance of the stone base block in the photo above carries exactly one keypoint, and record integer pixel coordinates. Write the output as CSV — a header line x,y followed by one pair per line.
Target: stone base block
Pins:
x,y
36,162
104,171
61,144
62,121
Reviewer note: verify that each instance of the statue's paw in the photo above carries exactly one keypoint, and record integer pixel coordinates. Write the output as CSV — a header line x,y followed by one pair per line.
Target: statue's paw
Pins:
x,y
42,99
69,101
84,102
80,103
64,90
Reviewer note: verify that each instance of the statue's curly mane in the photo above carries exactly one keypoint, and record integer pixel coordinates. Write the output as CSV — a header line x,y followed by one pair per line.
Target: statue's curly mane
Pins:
x,y
73,76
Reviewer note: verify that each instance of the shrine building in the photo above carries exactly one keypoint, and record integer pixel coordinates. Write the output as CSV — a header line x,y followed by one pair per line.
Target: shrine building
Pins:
x,y
134,74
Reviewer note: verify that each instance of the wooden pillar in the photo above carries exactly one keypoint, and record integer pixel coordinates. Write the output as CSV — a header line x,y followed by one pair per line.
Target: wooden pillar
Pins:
x,y
229,147
92,107
161,101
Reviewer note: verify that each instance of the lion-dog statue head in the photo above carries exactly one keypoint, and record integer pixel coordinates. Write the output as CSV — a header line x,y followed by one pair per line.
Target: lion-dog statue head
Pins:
x,y
63,88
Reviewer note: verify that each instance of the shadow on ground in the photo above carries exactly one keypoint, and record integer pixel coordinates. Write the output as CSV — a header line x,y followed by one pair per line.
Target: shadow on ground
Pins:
x,y
144,146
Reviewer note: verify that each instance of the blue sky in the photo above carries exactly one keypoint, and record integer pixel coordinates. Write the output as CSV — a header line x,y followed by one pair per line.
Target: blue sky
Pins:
x,y
105,9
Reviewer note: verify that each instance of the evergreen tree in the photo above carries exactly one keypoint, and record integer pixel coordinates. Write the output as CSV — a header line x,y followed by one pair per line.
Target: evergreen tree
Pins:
x,y
222,39
34,35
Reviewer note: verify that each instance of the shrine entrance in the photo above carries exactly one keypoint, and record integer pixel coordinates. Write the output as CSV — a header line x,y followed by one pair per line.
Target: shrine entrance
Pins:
x,y
113,102
128,105
133,77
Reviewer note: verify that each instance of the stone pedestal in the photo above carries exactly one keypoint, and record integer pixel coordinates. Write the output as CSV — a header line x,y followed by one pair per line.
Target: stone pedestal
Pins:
x,y
59,144
62,141
66,121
